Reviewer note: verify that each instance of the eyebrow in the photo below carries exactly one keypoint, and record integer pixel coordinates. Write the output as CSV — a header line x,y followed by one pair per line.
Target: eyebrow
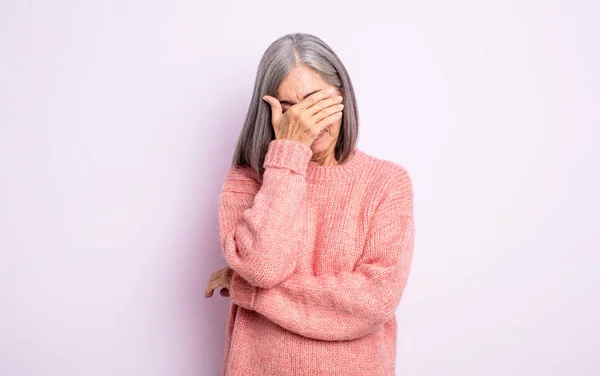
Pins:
x,y
307,95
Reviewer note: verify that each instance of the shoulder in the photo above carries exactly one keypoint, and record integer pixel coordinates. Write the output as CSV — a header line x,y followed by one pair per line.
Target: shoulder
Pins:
x,y
392,183
241,180
387,175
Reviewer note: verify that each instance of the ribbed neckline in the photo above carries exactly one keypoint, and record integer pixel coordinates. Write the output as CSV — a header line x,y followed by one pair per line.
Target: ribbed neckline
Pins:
x,y
355,163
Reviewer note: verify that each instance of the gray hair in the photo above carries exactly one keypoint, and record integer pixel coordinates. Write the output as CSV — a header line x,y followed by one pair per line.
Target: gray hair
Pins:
x,y
276,63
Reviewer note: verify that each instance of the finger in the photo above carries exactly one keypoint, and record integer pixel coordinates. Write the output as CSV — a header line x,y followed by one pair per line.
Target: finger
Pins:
x,y
323,104
327,111
276,111
327,121
315,98
212,284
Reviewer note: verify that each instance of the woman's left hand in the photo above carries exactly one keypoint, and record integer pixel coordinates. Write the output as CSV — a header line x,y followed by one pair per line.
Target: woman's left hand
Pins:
x,y
219,278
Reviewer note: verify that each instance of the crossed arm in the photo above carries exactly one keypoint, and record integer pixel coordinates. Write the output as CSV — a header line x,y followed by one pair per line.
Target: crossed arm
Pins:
x,y
327,307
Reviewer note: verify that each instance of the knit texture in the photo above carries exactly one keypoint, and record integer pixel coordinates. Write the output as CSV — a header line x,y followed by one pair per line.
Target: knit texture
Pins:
x,y
321,257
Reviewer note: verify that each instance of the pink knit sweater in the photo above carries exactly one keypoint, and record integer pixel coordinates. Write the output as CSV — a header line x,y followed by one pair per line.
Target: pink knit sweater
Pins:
x,y
321,257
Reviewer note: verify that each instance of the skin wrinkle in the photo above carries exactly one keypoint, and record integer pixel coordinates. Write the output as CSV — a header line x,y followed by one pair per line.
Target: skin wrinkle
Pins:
x,y
349,307
301,82
333,312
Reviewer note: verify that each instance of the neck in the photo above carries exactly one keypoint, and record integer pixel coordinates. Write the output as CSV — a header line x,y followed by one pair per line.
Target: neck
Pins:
x,y
318,173
325,158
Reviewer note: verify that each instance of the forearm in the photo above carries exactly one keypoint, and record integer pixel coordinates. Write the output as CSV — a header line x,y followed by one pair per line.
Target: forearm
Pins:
x,y
261,234
337,307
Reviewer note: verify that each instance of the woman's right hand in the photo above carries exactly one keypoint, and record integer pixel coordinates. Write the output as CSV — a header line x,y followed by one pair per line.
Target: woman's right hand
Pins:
x,y
304,121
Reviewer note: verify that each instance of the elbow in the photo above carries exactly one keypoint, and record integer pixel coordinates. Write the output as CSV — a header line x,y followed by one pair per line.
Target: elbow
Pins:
x,y
371,319
379,312
368,325
350,331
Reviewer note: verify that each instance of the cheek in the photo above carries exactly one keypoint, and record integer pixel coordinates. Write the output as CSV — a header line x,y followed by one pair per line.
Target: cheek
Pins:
x,y
337,126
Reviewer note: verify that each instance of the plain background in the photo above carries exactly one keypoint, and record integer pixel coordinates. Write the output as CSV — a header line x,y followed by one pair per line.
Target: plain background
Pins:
x,y
119,118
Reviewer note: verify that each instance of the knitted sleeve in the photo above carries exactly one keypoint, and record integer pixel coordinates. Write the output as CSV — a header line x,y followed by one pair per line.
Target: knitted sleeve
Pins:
x,y
252,216
350,304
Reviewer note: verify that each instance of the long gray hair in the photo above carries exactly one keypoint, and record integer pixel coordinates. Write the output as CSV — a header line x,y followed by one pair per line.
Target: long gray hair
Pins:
x,y
277,61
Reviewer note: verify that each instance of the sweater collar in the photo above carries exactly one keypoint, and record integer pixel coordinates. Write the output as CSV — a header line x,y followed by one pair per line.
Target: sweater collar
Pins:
x,y
353,164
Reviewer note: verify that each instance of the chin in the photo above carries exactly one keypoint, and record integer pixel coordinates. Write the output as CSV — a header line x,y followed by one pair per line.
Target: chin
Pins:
x,y
321,145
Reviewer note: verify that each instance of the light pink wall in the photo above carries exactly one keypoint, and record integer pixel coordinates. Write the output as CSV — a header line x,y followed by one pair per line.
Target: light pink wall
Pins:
x,y
118,120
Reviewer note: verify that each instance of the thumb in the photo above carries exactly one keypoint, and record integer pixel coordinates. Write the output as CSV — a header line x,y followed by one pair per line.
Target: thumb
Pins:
x,y
275,108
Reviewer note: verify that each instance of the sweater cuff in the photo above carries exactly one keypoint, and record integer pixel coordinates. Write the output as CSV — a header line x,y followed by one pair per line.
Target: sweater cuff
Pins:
x,y
290,154
241,292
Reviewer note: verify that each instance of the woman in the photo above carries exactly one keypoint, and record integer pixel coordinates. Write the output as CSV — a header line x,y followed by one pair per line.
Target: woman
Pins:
x,y
318,235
